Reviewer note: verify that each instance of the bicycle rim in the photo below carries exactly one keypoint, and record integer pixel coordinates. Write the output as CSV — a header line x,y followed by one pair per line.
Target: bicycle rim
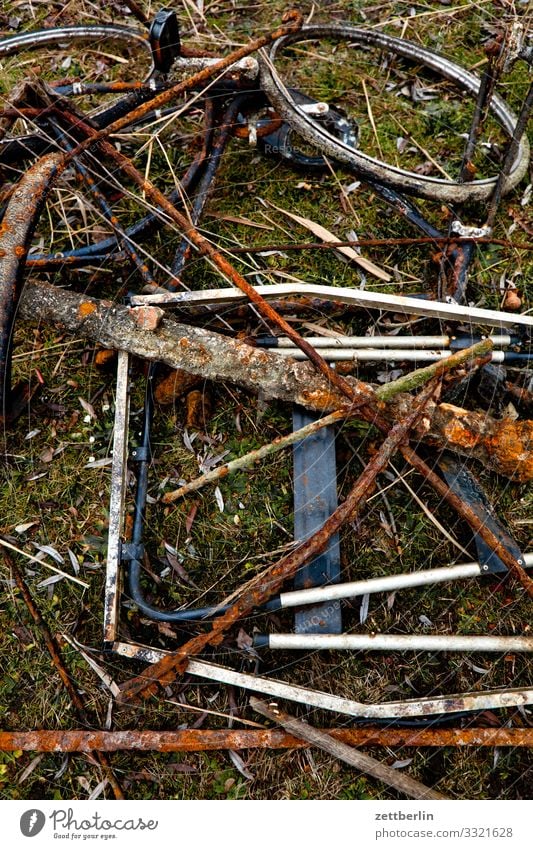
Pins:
x,y
368,167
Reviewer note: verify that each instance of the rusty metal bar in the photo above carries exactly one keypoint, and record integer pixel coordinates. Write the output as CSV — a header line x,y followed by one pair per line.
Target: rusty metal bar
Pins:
x,y
16,231
362,762
194,740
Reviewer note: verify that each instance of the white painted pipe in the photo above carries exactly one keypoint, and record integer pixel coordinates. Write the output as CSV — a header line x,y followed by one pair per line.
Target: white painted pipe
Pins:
x,y
368,355
394,642
386,583
499,341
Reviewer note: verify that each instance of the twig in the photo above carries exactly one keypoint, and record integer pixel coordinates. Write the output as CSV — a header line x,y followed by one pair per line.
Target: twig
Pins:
x,y
252,457
417,378
364,763
5,544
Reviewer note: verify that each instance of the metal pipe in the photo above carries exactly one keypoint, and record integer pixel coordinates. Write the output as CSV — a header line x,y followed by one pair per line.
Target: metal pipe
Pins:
x,y
208,740
392,642
426,706
387,583
370,355
353,297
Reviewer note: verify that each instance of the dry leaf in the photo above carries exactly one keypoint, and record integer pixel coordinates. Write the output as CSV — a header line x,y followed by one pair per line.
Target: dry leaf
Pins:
x,y
328,236
87,407
47,549
190,518
219,499
29,769
46,455
363,610
239,764
21,529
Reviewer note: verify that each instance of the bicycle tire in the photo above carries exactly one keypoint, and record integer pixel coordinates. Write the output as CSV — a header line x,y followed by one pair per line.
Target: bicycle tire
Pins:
x,y
373,170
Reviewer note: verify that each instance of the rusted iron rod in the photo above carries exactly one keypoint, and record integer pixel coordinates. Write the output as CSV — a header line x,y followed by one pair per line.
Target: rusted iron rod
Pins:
x,y
16,230
196,740
55,653
264,586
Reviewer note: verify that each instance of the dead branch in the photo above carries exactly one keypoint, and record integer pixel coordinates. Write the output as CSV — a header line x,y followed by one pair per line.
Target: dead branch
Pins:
x,y
504,446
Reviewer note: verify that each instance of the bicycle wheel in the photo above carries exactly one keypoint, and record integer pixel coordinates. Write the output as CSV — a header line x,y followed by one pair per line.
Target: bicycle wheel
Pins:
x,y
365,165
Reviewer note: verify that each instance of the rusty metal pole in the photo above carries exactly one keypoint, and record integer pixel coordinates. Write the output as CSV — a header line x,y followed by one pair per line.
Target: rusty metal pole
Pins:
x,y
196,740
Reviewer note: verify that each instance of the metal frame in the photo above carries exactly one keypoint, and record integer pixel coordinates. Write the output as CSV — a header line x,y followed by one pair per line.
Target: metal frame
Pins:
x,y
343,295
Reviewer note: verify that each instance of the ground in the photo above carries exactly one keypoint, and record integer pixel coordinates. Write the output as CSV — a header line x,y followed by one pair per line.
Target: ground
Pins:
x,y
55,493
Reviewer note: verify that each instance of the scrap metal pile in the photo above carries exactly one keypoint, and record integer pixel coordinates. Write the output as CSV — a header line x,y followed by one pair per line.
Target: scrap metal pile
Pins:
x,y
244,95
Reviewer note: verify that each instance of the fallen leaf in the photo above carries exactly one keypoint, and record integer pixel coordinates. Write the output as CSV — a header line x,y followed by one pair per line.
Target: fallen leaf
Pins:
x,y
47,549
190,518
87,407
46,455
98,464
327,236
29,769
74,561
219,499
21,529
99,789
166,631
239,764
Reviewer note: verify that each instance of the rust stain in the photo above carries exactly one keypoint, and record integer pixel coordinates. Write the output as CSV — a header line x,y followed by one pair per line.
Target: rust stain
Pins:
x,y
511,448
173,385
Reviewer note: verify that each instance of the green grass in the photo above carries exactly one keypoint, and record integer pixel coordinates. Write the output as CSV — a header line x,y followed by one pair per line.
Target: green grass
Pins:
x,y
45,480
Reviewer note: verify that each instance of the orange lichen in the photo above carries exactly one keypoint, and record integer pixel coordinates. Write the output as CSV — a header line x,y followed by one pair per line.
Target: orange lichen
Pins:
x,y
86,308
